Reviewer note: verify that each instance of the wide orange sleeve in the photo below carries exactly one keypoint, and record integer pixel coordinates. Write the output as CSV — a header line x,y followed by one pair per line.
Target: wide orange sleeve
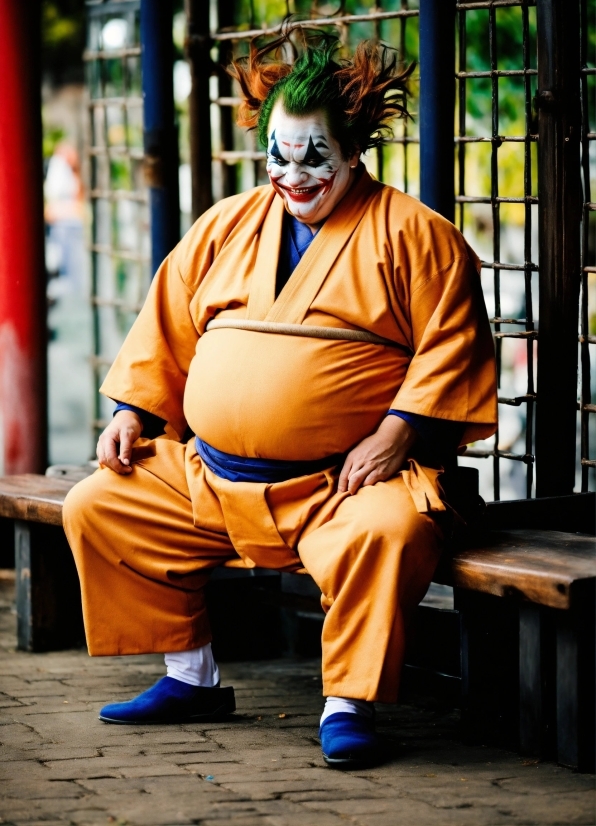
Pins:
x,y
151,368
452,374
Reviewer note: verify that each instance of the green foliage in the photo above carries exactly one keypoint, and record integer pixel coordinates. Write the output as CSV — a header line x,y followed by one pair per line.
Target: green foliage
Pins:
x,y
63,39
508,50
120,175
52,135
57,29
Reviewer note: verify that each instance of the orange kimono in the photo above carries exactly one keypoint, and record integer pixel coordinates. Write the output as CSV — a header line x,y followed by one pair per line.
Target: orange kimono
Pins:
x,y
145,543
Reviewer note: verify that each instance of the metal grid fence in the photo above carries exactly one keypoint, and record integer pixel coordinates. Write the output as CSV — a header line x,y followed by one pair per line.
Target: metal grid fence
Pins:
x,y
239,163
401,169
496,180
119,200
495,70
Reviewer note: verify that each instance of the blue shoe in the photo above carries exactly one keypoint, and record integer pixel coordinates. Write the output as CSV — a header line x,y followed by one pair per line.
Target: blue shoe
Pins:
x,y
349,740
172,701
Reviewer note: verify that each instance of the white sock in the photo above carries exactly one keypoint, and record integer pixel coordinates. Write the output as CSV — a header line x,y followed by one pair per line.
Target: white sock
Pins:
x,y
335,704
195,667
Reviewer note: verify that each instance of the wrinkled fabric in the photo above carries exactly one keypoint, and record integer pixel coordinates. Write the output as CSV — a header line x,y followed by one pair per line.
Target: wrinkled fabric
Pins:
x,y
144,544
382,262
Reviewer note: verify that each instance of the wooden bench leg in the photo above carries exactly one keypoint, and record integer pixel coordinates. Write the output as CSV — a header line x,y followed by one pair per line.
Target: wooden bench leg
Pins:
x,y
567,692
489,668
575,675
548,693
48,595
530,680
22,563
537,713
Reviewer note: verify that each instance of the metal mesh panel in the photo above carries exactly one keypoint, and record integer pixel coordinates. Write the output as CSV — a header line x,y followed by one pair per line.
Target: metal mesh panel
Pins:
x,y
496,181
508,269
120,222
497,211
239,163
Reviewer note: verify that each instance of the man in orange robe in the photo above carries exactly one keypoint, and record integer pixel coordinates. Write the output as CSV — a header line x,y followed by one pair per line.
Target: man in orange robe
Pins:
x,y
309,333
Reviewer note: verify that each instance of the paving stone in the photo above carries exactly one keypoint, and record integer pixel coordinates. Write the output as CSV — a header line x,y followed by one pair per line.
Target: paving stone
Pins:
x,y
323,819
254,820
154,808
17,735
232,809
60,764
50,752
330,795
167,770
175,751
90,817
32,789
12,808
265,790
205,767
112,767
22,769
40,822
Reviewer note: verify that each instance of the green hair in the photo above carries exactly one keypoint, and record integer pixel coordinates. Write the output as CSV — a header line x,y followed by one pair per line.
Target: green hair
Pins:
x,y
310,86
360,96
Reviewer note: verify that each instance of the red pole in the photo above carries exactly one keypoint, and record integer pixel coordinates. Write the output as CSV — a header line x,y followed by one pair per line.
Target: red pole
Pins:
x,y
23,366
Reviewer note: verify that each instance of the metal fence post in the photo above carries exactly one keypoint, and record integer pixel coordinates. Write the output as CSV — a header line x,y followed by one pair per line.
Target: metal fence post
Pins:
x,y
560,213
197,50
437,104
160,134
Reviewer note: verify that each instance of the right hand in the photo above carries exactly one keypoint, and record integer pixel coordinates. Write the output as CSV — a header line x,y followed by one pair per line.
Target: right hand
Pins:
x,y
114,448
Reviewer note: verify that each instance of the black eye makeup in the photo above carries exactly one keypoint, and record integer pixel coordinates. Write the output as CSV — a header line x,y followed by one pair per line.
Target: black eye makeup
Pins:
x,y
312,157
274,152
277,159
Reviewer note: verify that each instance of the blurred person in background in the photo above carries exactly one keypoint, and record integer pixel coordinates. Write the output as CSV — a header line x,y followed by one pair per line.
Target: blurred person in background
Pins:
x,y
64,209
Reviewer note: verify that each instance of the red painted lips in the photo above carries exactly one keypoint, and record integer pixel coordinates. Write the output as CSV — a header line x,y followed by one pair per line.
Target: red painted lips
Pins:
x,y
300,195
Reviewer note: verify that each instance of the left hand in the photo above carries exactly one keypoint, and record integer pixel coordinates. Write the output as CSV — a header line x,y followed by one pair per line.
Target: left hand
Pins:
x,y
378,457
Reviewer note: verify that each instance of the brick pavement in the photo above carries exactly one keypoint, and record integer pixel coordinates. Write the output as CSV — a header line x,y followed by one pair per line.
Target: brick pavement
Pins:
x,y
59,764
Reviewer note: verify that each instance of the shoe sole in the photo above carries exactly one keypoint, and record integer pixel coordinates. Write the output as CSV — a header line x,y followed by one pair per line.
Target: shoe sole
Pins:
x,y
351,762
214,716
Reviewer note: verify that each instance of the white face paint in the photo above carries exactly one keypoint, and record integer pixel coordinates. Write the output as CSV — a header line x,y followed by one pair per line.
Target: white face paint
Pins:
x,y
305,164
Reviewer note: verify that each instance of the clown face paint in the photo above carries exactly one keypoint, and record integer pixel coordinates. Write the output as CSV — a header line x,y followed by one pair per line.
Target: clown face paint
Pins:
x,y
305,165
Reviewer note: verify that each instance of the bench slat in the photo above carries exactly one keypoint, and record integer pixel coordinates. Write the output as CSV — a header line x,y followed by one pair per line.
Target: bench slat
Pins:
x,y
33,498
540,566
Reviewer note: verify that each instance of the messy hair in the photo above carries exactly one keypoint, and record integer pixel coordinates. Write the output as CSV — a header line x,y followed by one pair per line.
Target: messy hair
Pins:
x,y
361,95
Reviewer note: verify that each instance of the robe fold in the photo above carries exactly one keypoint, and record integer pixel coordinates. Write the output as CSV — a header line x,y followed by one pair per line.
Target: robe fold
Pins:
x,y
382,263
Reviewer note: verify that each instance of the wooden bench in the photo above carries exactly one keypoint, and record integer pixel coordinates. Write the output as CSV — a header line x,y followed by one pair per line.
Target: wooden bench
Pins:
x,y
522,624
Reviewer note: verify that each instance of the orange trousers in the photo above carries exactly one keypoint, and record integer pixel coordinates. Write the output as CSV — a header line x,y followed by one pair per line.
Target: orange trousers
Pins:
x,y
144,546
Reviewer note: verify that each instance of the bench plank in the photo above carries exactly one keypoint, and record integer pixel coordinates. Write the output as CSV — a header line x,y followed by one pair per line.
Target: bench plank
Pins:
x,y
527,664
540,566
33,498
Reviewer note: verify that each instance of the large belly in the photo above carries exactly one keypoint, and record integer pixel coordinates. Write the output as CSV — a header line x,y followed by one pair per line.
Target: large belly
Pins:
x,y
283,397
